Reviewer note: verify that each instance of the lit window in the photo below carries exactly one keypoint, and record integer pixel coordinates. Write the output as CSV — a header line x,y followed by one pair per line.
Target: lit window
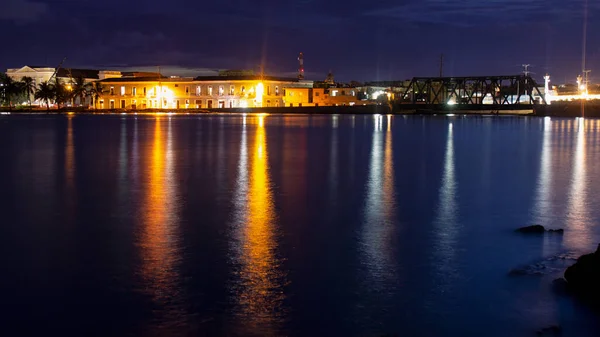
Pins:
x,y
221,90
122,90
144,91
334,93
276,91
210,90
187,90
231,89
112,90
243,89
134,91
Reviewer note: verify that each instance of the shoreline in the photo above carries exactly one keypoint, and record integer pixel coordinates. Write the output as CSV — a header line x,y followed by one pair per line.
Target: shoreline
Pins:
x,y
569,109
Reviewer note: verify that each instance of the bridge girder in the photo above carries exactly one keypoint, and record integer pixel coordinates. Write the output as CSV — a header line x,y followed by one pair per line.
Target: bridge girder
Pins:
x,y
471,90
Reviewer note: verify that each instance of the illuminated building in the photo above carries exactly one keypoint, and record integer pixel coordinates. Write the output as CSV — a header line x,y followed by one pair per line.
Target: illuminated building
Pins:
x,y
206,92
301,97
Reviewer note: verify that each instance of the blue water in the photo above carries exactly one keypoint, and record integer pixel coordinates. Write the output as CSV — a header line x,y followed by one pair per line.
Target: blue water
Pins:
x,y
290,225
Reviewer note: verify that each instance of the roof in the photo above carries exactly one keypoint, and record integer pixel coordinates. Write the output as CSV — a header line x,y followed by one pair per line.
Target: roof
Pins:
x,y
147,79
74,73
246,78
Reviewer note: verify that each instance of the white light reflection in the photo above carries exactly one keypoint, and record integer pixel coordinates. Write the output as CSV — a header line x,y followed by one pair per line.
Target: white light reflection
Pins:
x,y
446,220
333,163
543,204
579,238
379,214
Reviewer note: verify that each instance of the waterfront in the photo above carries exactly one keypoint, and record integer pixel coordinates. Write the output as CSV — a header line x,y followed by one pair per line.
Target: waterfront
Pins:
x,y
293,224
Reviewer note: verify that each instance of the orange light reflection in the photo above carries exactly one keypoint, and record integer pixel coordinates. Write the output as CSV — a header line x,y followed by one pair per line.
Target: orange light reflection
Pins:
x,y
261,293
159,242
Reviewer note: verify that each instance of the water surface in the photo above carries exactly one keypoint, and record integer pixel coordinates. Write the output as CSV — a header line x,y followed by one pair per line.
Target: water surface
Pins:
x,y
293,225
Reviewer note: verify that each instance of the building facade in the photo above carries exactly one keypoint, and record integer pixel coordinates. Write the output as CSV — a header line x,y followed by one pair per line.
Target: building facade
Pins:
x,y
208,92
299,97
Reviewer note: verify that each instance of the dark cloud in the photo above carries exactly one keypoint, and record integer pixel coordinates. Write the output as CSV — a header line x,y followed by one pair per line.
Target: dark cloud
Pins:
x,y
357,39
22,11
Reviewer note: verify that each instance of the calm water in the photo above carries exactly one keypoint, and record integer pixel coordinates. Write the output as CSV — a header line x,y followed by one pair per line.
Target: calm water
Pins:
x,y
293,225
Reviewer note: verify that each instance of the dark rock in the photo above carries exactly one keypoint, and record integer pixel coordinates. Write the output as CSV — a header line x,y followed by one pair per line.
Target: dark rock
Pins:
x,y
553,330
535,229
583,278
560,286
538,229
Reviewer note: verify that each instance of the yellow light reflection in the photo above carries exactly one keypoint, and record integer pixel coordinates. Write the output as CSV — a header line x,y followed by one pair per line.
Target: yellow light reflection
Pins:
x,y
261,290
579,237
70,154
379,223
159,241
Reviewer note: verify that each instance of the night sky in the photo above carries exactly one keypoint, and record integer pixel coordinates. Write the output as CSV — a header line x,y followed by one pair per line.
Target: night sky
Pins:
x,y
356,39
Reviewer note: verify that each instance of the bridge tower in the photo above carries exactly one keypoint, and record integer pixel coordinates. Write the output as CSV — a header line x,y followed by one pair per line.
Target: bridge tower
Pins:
x,y
301,66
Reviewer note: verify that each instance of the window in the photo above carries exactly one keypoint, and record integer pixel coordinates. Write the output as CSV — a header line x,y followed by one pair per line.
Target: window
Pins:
x,y
210,90
353,93
122,90
133,104
144,91
276,91
112,91
343,93
187,90
231,89
134,91
221,90
122,104
334,93
316,93
176,85
198,90
187,103
198,104
243,89
268,90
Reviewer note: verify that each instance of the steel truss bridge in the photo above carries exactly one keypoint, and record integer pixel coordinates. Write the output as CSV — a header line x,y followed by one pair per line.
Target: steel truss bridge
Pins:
x,y
517,92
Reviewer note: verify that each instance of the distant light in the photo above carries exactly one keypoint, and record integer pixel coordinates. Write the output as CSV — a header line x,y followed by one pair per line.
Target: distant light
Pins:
x,y
450,115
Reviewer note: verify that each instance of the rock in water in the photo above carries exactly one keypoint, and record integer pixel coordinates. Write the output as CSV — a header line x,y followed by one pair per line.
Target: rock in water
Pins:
x,y
583,278
553,330
535,229
560,286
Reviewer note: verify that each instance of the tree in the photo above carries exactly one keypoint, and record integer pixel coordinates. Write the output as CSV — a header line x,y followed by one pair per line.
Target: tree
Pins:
x,y
28,87
94,90
45,93
61,94
3,98
78,88
11,90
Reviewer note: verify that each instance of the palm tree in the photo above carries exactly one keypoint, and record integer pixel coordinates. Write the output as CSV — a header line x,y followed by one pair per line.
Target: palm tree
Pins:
x,y
95,90
61,93
45,93
10,88
78,88
28,87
